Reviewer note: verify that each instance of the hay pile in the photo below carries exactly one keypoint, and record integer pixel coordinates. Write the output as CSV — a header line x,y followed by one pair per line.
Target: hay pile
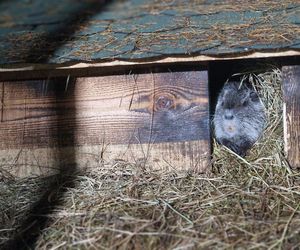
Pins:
x,y
250,203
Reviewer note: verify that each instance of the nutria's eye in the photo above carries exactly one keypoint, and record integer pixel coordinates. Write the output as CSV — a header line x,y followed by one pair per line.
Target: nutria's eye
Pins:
x,y
242,104
254,96
245,103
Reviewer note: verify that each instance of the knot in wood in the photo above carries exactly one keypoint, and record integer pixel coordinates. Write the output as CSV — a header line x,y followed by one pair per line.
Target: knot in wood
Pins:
x,y
164,102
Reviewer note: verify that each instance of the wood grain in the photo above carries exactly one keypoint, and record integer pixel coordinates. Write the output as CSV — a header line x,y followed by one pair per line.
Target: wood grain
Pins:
x,y
291,92
161,117
37,71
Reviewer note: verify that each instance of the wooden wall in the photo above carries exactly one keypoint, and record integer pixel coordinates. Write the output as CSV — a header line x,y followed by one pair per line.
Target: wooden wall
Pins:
x,y
158,119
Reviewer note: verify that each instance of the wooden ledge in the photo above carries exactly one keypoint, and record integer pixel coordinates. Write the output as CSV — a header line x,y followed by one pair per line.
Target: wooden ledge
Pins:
x,y
152,61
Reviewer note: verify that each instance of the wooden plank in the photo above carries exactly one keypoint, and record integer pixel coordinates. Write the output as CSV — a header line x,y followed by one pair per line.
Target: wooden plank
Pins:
x,y
37,71
161,118
1,100
291,92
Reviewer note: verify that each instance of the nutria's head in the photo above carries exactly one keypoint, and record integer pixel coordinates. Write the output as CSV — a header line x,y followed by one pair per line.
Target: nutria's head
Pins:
x,y
239,109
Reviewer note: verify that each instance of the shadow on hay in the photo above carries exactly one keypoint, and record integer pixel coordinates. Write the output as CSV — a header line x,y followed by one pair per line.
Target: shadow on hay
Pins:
x,y
52,191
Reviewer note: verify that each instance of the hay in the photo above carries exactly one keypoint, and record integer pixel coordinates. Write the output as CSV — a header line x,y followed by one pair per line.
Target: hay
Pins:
x,y
250,203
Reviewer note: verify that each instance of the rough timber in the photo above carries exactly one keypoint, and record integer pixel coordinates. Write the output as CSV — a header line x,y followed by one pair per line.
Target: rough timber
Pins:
x,y
291,91
158,119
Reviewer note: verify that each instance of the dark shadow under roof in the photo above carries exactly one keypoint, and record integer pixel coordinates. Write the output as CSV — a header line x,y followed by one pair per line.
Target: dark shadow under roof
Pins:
x,y
64,31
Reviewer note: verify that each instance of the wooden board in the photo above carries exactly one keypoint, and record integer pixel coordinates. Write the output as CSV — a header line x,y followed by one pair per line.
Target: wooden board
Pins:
x,y
159,119
37,71
291,90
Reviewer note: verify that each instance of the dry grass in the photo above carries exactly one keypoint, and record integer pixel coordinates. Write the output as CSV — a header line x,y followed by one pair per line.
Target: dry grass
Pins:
x,y
250,203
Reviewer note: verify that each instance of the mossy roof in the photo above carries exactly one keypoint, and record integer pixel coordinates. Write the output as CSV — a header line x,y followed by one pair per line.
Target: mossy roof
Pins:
x,y
64,31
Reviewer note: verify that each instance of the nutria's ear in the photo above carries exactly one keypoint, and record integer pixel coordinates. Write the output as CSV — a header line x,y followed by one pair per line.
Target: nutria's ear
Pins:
x,y
254,96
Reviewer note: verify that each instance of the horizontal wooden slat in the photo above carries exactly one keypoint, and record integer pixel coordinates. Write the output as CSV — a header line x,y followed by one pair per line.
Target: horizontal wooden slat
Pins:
x,y
121,107
37,71
161,117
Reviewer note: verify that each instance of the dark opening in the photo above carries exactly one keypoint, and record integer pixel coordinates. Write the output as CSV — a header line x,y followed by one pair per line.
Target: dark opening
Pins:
x,y
220,71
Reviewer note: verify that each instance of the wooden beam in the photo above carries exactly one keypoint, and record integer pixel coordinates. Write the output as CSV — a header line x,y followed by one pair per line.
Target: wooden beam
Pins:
x,y
34,71
291,93
160,119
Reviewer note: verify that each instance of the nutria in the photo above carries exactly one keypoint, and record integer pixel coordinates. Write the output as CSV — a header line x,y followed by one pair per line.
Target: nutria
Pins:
x,y
239,117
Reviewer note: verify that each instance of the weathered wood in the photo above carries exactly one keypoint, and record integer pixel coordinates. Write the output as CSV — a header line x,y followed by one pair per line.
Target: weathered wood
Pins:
x,y
37,71
161,118
1,100
291,91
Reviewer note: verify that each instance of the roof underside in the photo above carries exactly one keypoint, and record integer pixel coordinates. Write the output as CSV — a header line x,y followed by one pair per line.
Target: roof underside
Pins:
x,y
64,31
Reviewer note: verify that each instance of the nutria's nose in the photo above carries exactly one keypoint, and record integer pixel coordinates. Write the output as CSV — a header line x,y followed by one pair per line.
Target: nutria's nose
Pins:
x,y
228,117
